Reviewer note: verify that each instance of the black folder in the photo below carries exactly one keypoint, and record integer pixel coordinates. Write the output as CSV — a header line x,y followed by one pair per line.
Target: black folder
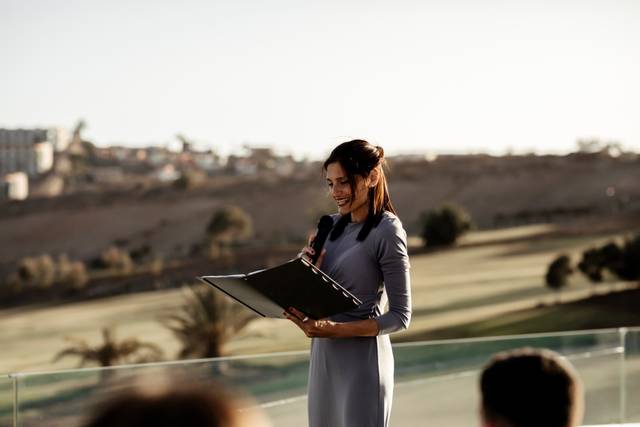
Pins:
x,y
296,283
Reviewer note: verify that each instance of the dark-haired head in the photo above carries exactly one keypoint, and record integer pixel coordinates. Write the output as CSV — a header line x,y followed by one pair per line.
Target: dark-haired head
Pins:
x,y
530,388
181,404
362,161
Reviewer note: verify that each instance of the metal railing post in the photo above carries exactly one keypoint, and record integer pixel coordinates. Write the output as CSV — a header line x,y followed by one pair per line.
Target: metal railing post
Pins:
x,y
14,381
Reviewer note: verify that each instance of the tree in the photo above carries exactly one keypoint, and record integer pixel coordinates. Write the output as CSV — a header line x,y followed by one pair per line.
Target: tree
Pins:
x,y
228,225
557,276
630,269
592,265
111,351
622,262
443,227
206,322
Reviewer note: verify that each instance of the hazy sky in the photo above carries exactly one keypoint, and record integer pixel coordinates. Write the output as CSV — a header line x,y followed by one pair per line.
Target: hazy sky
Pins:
x,y
302,75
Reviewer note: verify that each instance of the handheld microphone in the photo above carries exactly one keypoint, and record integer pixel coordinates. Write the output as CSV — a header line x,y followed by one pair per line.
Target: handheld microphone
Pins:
x,y
324,227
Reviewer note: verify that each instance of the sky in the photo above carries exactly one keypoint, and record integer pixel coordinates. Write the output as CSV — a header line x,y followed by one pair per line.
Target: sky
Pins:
x,y
302,75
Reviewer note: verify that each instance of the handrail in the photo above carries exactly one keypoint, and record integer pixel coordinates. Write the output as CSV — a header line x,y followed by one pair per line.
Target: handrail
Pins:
x,y
305,352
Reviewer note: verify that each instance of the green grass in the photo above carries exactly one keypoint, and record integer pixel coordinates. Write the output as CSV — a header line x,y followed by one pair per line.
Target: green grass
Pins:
x,y
472,285
604,311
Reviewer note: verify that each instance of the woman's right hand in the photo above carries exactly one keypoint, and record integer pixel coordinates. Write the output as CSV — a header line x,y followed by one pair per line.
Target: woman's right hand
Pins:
x,y
307,252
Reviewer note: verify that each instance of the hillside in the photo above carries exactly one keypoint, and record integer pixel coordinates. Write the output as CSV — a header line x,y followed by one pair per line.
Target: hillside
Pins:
x,y
498,191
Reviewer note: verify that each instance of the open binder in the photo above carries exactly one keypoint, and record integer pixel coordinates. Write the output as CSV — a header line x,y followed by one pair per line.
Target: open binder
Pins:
x,y
296,283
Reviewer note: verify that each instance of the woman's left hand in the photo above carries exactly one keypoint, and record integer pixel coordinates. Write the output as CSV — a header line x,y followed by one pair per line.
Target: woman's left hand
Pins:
x,y
310,327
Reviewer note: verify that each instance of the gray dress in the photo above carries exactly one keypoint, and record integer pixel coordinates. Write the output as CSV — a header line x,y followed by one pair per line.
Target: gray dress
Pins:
x,y
351,379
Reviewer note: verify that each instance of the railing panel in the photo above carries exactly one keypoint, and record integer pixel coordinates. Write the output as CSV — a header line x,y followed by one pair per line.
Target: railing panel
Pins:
x,y
435,381
63,398
438,381
6,401
631,375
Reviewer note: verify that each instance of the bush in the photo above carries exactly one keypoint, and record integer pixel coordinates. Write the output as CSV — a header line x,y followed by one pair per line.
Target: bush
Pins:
x,y
228,225
592,265
630,269
37,271
558,273
43,272
117,259
71,274
443,227
621,261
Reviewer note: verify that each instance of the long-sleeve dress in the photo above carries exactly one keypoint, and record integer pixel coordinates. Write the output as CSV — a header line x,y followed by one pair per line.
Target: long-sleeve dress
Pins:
x,y
351,379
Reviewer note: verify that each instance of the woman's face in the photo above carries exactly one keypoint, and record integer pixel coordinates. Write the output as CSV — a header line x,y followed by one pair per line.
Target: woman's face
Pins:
x,y
355,204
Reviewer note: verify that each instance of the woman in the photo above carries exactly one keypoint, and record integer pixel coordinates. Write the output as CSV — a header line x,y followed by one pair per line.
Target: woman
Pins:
x,y
351,370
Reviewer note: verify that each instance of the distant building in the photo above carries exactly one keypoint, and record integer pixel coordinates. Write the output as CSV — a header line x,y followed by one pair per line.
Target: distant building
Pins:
x,y
14,186
166,173
29,150
261,160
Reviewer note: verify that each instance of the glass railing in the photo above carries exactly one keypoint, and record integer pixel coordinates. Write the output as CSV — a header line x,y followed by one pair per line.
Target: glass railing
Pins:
x,y
436,381
6,401
631,376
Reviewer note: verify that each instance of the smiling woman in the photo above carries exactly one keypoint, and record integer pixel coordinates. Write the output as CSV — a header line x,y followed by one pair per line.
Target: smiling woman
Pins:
x,y
351,370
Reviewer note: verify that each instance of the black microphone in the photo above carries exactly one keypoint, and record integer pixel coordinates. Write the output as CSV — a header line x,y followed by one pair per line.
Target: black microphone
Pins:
x,y
324,227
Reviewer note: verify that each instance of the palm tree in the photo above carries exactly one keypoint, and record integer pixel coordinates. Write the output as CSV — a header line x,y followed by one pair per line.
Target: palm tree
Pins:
x,y
111,351
206,322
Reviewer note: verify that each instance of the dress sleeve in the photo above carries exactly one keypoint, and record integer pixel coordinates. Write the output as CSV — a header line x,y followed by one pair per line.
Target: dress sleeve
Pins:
x,y
391,253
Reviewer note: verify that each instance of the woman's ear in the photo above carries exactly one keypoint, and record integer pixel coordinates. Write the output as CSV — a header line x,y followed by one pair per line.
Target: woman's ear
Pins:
x,y
374,177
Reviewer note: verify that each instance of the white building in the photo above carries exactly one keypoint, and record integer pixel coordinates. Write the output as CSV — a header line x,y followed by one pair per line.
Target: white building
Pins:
x,y
28,150
14,186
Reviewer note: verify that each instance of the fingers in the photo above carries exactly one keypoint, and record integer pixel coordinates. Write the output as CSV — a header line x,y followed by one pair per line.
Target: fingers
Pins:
x,y
294,319
304,324
300,315
307,252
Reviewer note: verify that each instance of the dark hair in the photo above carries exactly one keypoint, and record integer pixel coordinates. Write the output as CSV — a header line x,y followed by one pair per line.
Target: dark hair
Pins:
x,y
185,406
529,387
359,157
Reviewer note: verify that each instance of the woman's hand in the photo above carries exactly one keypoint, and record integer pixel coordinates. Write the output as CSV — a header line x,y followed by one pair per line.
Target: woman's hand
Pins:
x,y
307,252
328,329
311,328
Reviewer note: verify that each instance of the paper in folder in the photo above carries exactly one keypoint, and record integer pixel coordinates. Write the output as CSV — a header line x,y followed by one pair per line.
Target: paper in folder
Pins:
x,y
296,283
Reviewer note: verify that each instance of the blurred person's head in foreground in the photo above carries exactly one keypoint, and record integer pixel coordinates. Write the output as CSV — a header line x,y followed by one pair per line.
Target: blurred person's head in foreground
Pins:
x,y
530,387
182,405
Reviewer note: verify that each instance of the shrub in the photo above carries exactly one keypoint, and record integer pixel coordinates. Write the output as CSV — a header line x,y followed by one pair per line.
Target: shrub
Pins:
x,y
557,276
43,272
37,271
630,269
71,274
117,260
621,261
229,224
443,227
592,265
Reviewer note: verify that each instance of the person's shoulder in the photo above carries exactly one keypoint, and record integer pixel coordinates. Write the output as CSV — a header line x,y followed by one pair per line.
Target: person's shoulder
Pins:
x,y
390,224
